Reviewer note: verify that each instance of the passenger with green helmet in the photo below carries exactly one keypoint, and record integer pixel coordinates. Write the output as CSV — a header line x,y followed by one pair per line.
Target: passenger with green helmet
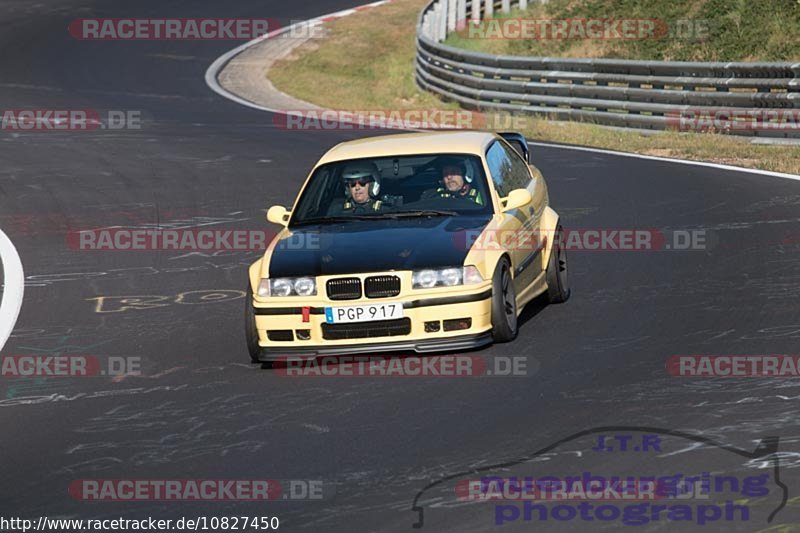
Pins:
x,y
455,183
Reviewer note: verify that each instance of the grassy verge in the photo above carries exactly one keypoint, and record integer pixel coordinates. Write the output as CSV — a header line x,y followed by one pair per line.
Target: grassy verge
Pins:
x,y
686,30
367,62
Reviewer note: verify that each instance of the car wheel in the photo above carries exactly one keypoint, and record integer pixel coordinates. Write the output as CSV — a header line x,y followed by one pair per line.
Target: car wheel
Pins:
x,y
504,304
250,332
557,283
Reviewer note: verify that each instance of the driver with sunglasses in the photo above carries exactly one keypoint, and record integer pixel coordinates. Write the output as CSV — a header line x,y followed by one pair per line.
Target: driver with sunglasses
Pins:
x,y
362,186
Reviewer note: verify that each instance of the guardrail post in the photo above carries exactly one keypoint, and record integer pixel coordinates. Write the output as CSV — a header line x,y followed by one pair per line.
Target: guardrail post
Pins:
x,y
476,10
489,11
451,16
523,4
506,7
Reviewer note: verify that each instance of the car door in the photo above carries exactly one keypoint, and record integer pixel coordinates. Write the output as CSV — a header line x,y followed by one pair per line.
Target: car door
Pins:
x,y
519,228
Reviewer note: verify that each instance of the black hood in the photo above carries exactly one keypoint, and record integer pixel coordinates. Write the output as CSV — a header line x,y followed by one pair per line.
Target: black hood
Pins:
x,y
375,245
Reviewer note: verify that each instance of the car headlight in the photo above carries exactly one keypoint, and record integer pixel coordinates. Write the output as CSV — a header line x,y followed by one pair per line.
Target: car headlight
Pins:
x,y
446,277
451,276
305,287
287,287
424,279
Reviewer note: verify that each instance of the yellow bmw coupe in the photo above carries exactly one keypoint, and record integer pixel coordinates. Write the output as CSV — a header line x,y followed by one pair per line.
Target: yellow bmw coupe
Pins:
x,y
418,242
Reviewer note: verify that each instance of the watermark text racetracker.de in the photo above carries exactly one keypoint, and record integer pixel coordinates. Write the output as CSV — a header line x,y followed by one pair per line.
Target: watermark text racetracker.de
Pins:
x,y
186,239
445,366
365,119
189,29
579,239
582,29
177,29
43,120
634,497
368,119
181,490
731,120
734,366
55,366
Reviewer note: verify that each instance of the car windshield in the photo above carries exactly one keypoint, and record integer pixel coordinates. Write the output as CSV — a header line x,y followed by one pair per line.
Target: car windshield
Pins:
x,y
395,187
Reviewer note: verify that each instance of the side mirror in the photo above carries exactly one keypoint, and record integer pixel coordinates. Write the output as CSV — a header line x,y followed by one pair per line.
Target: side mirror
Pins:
x,y
278,214
516,199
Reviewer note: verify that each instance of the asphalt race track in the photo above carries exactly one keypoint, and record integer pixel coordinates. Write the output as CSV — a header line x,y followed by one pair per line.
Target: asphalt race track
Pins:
x,y
201,411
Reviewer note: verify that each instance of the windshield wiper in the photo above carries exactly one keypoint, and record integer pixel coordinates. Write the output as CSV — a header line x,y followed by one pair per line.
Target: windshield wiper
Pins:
x,y
422,213
401,214
326,220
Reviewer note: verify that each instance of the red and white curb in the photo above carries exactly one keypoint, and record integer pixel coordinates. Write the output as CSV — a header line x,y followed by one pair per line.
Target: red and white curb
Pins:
x,y
13,290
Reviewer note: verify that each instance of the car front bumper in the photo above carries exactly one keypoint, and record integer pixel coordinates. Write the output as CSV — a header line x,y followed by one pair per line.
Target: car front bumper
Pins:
x,y
457,343
463,319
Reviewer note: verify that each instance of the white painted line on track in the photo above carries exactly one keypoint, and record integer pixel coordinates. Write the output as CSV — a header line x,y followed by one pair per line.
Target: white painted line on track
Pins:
x,y
13,290
668,160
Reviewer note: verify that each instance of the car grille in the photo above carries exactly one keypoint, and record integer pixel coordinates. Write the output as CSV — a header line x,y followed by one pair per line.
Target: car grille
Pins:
x,y
344,288
361,330
382,286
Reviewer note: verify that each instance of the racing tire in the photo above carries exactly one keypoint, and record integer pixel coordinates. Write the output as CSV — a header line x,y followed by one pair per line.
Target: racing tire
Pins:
x,y
250,331
558,290
504,304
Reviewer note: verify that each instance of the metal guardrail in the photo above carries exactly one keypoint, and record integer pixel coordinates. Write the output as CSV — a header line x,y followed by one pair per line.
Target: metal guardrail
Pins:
x,y
628,93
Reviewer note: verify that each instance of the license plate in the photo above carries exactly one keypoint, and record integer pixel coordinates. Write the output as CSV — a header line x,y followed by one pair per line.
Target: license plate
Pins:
x,y
363,313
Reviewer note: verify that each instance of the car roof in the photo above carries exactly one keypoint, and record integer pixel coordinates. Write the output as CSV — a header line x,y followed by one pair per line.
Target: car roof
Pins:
x,y
440,142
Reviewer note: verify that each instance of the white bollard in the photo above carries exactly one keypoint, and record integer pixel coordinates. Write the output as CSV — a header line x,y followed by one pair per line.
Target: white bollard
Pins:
x,y
523,4
489,11
506,6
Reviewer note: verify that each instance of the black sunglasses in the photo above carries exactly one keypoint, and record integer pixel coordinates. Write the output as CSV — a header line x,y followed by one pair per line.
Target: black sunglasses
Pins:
x,y
352,183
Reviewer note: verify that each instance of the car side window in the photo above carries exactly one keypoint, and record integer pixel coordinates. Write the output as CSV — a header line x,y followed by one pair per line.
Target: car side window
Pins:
x,y
507,168
318,196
